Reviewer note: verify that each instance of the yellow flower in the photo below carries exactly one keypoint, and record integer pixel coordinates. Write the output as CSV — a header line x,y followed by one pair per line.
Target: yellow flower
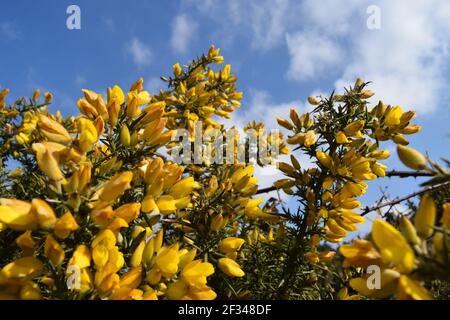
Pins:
x,y
128,212
22,269
231,244
53,130
88,134
30,291
195,273
132,278
116,186
100,256
117,94
352,128
43,213
359,253
411,290
167,260
16,214
105,238
392,116
81,257
177,290
166,204
53,251
388,285
310,138
65,225
393,246
182,188
47,161
230,267
341,138
26,242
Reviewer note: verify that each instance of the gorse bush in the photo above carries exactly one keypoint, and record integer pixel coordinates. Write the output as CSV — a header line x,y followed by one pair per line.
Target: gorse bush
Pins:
x,y
94,207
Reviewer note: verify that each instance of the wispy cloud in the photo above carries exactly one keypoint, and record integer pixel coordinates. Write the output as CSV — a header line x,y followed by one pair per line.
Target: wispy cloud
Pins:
x,y
183,32
80,80
109,23
139,52
9,30
311,55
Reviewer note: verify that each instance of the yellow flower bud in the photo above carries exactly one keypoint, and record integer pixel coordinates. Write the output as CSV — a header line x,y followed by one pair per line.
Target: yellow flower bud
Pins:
x,y
408,230
313,100
400,139
216,222
325,159
425,216
36,94
367,94
48,97
136,258
177,70
411,157
125,135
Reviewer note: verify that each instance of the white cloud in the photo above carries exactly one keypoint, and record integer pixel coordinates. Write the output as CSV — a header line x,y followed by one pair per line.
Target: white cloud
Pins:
x,y
406,58
311,55
183,31
140,53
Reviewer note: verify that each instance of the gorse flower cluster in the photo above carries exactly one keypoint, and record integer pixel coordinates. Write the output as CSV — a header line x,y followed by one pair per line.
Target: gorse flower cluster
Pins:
x,y
93,206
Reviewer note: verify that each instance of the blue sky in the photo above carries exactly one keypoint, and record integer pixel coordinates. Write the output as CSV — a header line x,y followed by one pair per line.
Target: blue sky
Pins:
x,y
281,50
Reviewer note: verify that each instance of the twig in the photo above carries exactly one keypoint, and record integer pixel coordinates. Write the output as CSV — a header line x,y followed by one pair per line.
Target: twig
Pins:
x,y
366,210
392,173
